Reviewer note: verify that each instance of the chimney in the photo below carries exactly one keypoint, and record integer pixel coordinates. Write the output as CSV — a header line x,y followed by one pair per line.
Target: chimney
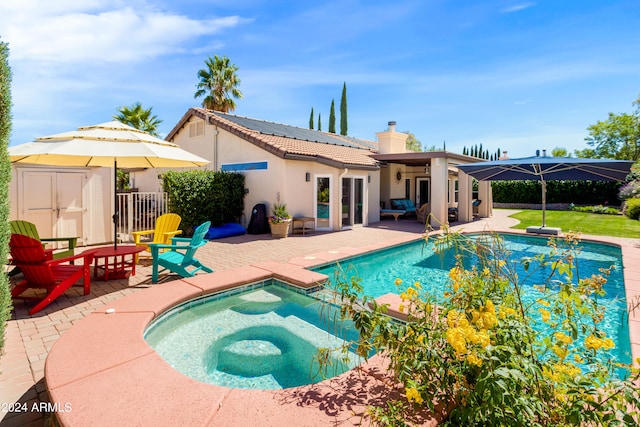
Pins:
x,y
544,153
392,126
390,141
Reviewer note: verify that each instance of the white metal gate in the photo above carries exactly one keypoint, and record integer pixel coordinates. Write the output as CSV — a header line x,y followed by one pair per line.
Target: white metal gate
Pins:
x,y
138,211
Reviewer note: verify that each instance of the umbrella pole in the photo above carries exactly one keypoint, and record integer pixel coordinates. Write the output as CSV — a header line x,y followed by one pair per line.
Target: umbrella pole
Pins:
x,y
115,204
544,201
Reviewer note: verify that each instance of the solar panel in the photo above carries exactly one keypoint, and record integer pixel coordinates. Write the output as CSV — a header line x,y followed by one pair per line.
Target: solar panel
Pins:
x,y
277,129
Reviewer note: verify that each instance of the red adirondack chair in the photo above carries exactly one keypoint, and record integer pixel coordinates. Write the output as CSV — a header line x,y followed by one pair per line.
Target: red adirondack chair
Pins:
x,y
43,273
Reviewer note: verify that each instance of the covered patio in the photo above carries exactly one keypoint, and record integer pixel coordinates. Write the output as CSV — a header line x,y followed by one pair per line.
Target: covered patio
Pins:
x,y
433,177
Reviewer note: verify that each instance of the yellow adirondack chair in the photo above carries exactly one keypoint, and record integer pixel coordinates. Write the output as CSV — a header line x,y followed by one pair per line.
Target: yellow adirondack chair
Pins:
x,y
166,228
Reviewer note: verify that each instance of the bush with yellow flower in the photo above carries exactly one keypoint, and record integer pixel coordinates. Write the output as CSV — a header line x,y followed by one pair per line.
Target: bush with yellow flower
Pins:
x,y
479,348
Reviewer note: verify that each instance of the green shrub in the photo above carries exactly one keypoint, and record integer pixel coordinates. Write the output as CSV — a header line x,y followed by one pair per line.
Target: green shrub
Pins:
x,y
476,349
204,195
581,192
598,209
5,178
632,208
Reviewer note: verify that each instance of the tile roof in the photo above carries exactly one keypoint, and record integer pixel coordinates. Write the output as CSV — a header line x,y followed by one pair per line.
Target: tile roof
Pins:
x,y
290,142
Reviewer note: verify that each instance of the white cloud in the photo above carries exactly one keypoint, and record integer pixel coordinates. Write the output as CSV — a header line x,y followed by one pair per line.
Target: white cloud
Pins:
x,y
518,7
65,33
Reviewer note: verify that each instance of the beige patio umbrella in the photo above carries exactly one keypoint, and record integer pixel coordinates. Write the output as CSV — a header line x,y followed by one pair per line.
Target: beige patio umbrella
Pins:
x,y
111,144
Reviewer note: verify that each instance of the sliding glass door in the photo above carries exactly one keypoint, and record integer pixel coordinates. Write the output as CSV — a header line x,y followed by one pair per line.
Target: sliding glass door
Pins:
x,y
352,201
323,202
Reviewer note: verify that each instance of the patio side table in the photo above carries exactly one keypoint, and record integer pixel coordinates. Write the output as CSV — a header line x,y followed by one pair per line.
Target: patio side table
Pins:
x,y
111,263
304,220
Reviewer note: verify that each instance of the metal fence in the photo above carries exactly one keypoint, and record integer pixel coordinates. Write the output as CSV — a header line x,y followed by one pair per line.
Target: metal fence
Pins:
x,y
138,211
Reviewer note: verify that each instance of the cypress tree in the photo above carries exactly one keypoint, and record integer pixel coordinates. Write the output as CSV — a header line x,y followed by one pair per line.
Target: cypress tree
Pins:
x,y
332,117
311,119
319,122
343,111
5,179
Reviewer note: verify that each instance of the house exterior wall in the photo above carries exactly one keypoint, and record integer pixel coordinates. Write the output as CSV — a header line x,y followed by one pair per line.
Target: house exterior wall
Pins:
x,y
439,192
97,195
283,180
374,195
391,187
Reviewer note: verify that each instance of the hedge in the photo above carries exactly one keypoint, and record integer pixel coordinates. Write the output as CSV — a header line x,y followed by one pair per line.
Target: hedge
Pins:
x,y
632,208
5,178
576,192
204,195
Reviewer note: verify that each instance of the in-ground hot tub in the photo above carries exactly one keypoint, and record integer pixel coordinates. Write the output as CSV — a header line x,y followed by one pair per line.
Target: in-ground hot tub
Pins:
x,y
265,337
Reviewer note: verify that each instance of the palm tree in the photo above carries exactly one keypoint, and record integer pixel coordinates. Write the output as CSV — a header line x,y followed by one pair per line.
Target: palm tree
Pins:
x,y
139,118
219,83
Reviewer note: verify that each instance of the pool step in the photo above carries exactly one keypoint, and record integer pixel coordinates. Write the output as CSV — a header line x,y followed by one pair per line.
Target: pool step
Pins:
x,y
258,302
249,358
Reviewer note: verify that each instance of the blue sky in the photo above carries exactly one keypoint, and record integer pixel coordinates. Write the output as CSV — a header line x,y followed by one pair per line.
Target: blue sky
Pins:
x,y
514,75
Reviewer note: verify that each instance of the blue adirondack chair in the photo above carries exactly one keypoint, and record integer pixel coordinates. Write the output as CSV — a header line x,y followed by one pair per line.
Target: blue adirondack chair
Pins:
x,y
178,257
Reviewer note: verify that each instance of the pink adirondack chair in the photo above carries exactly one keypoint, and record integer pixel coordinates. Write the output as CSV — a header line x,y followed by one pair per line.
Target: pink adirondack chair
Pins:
x,y
43,273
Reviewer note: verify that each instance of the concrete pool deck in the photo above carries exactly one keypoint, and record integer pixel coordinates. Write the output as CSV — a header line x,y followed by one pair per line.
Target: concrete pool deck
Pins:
x,y
29,339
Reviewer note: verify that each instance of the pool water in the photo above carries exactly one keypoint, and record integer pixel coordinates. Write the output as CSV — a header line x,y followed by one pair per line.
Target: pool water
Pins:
x,y
266,337
419,262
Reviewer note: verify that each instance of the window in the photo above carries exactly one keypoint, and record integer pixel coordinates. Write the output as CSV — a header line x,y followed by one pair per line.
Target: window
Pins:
x,y
196,129
455,190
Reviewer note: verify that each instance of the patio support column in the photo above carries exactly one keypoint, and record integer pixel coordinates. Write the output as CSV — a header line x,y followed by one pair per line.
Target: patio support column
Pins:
x,y
485,210
439,192
465,188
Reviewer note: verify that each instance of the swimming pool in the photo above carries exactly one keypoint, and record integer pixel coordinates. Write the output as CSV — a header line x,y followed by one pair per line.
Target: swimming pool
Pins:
x,y
264,337
418,262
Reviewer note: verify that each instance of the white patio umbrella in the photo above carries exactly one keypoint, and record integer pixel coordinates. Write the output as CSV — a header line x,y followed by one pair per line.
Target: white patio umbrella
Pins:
x,y
111,144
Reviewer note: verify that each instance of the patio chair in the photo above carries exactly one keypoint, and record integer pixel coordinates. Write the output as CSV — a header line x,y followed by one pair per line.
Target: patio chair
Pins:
x,y
179,255
452,214
166,228
27,228
422,213
475,205
41,273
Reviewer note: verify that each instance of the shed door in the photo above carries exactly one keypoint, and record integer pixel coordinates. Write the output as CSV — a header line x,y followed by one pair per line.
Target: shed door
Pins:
x,y
70,207
54,202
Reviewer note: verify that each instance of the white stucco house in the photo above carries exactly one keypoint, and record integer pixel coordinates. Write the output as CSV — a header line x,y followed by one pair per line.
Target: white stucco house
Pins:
x,y
339,181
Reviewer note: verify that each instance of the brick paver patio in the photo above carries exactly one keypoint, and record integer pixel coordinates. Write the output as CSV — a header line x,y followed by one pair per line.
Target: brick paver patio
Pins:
x,y
29,338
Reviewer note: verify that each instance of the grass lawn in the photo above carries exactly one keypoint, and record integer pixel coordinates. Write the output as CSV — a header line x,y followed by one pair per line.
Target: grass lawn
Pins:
x,y
586,223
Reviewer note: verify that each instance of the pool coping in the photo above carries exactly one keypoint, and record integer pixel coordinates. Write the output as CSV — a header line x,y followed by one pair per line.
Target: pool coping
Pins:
x,y
102,372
